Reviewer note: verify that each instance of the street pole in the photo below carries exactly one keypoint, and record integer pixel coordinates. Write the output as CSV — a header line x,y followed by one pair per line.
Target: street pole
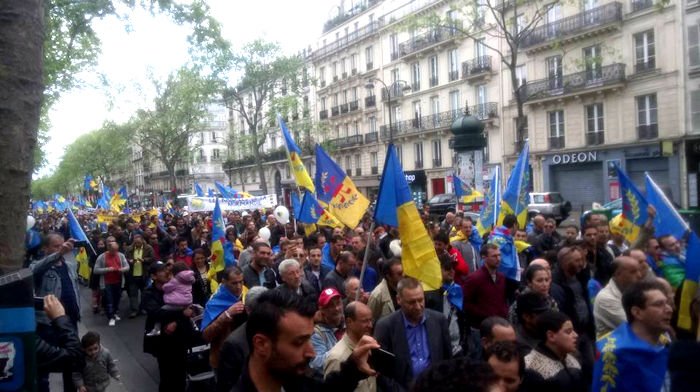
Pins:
x,y
365,259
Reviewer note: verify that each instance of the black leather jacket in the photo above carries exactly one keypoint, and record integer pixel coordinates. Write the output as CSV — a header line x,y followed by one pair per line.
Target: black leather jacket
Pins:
x,y
64,353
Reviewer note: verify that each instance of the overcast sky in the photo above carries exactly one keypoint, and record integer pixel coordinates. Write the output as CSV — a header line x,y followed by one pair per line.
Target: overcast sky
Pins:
x,y
155,47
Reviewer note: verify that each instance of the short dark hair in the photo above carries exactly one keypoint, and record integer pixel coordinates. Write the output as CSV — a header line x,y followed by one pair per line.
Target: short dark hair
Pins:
x,y
486,326
635,295
232,270
271,306
531,270
550,320
485,249
506,351
385,265
180,239
446,262
510,220
179,267
198,251
89,339
260,244
441,236
344,257
588,227
458,374
337,238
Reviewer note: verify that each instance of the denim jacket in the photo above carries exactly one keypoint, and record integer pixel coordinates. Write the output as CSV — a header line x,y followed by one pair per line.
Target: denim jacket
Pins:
x,y
48,281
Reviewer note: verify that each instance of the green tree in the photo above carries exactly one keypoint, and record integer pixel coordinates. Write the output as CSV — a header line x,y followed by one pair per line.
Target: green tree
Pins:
x,y
166,132
269,83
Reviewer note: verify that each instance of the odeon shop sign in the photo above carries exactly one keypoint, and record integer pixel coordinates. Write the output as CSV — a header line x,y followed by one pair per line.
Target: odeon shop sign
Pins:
x,y
574,157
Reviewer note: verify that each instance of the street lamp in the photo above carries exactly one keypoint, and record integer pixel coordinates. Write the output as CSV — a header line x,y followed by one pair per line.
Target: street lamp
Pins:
x,y
398,85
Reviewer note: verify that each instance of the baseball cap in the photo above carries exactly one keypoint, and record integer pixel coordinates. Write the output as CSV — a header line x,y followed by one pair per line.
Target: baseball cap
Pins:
x,y
156,267
326,296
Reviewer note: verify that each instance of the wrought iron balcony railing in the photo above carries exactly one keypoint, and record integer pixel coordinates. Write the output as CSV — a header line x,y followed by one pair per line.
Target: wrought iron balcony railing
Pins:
x,y
556,142
371,137
576,82
595,138
370,101
638,5
438,121
432,37
335,111
323,114
648,131
574,25
353,105
476,66
343,142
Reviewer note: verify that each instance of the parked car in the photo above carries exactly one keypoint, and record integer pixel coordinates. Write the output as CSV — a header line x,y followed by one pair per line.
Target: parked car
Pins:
x,y
549,204
443,203
610,209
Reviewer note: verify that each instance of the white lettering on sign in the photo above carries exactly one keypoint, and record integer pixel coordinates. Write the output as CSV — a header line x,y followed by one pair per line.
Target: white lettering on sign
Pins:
x,y
410,178
574,157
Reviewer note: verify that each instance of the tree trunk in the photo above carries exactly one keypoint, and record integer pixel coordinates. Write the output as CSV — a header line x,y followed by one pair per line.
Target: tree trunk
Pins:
x,y
261,171
21,89
172,178
240,175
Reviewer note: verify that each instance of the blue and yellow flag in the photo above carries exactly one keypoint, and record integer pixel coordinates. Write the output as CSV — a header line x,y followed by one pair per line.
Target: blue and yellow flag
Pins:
x,y
294,155
490,210
118,200
296,204
667,220
229,193
198,190
515,197
337,190
310,211
89,183
464,192
691,282
218,237
634,206
395,207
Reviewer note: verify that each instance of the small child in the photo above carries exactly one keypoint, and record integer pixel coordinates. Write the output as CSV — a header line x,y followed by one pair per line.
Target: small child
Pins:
x,y
177,296
99,366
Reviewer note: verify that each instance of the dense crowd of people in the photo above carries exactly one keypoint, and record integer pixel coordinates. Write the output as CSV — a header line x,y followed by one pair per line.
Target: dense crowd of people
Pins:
x,y
294,312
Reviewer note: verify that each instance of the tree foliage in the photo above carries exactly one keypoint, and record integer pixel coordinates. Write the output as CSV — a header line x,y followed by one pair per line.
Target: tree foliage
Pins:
x,y
270,84
166,132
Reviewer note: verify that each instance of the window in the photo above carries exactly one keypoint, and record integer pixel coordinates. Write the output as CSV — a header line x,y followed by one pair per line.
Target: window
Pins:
x,y
394,75
479,48
694,45
369,57
353,63
521,75
373,162
480,14
695,109
323,103
353,94
437,153
345,96
481,111
372,124
335,70
554,72
556,129
346,130
553,15
644,51
348,166
433,71
343,69
214,139
417,114
435,110
216,153
647,125
355,128
286,171
399,153
453,64
394,46
322,76
592,61
357,164
455,105
517,24
418,152
337,132
415,76
595,124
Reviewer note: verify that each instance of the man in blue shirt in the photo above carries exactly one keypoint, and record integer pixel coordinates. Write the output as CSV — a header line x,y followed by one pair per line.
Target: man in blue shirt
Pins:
x,y
417,336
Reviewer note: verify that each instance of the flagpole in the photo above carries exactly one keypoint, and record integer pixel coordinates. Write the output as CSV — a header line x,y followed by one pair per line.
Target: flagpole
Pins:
x,y
365,259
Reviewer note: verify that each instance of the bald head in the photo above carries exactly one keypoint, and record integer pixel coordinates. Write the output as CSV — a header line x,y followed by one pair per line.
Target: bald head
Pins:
x,y
626,271
542,263
641,258
358,320
450,217
539,221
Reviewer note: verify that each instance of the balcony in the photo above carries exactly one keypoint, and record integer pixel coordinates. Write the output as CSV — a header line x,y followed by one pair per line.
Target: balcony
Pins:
x,y
392,93
323,114
556,142
394,56
344,75
415,86
371,101
353,71
335,78
354,105
452,76
476,69
422,124
645,66
374,169
581,25
638,5
335,111
607,77
433,81
427,40
343,42
484,111
437,162
344,142
344,108
648,131
595,138
371,137
322,84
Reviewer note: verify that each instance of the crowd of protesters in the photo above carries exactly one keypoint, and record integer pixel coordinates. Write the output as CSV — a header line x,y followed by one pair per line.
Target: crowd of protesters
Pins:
x,y
588,312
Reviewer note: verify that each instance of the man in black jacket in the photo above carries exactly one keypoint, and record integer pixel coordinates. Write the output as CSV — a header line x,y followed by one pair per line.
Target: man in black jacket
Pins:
x,y
279,333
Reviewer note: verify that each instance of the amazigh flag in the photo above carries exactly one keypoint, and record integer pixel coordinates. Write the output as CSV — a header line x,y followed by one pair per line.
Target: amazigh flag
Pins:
x,y
490,210
464,192
634,206
515,196
198,190
395,207
310,211
294,154
337,190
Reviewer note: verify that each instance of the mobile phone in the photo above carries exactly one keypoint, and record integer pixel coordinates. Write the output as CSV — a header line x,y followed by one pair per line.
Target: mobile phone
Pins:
x,y
382,361
39,303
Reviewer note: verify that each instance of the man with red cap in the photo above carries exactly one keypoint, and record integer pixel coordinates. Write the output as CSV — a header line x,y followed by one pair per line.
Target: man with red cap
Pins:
x,y
329,326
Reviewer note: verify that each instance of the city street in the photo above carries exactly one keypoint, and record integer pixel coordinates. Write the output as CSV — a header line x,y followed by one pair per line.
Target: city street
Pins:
x,y
139,371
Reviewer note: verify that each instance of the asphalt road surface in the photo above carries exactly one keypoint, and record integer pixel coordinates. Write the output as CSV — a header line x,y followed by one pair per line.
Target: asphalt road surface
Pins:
x,y
139,371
